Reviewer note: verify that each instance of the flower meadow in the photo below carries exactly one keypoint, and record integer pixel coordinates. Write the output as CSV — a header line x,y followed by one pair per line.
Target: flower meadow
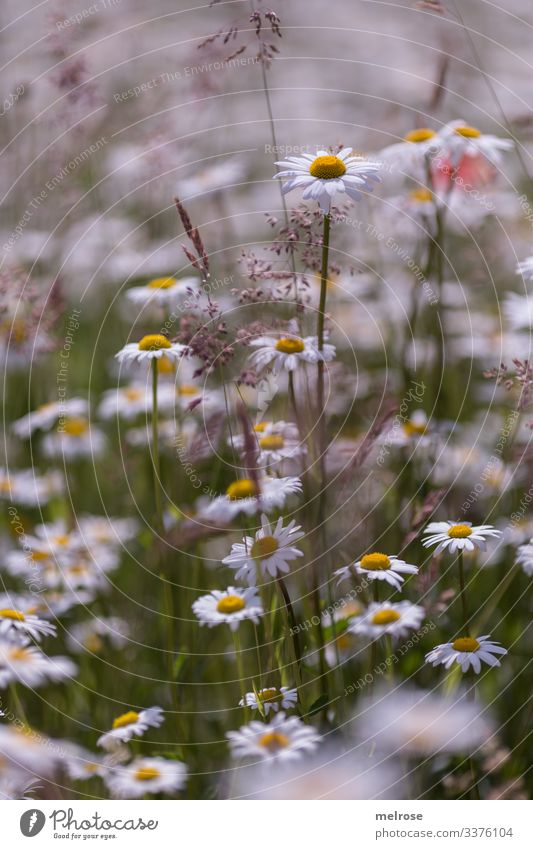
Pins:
x,y
267,482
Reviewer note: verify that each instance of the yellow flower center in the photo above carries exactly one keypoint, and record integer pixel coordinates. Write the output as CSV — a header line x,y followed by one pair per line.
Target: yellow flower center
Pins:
x,y
375,562
188,389
351,609
264,547
19,330
271,695
260,427
61,539
125,719
165,366
421,135
459,531
468,132
421,196
345,641
286,345
93,643
244,488
411,428
19,653
40,555
133,394
274,741
16,615
154,342
271,442
465,644
5,486
75,427
231,604
385,617
162,283
147,773
327,167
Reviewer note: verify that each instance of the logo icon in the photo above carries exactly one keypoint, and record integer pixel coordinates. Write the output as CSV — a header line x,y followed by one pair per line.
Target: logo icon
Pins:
x,y
32,822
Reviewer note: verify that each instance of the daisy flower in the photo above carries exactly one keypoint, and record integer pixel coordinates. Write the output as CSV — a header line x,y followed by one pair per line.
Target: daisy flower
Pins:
x,y
104,530
379,567
281,740
131,724
231,607
146,775
410,155
245,496
324,175
345,646
329,773
525,557
288,352
126,402
458,139
467,652
47,414
30,667
74,438
458,536
23,627
518,310
27,488
163,290
387,618
153,346
525,268
271,550
418,723
271,699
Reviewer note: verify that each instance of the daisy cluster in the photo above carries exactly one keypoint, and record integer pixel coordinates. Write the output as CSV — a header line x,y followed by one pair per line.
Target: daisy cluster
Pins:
x,y
271,608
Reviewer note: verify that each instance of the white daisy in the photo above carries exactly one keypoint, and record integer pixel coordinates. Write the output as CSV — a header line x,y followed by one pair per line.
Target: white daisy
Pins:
x,y
525,268
27,488
458,139
281,740
94,635
230,607
244,496
74,438
329,773
163,291
410,155
153,346
126,402
146,775
271,699
415,722
525,557
80,764
467,652
271,550
288,352
457,536
379,567
324,175
30,667
107,529
518,310
276,442
131,724
388,618
24,627
47,415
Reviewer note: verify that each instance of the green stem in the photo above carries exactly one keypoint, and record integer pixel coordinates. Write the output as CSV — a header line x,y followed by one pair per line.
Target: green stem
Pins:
x,y
464,607
240,671
293,629
155,447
